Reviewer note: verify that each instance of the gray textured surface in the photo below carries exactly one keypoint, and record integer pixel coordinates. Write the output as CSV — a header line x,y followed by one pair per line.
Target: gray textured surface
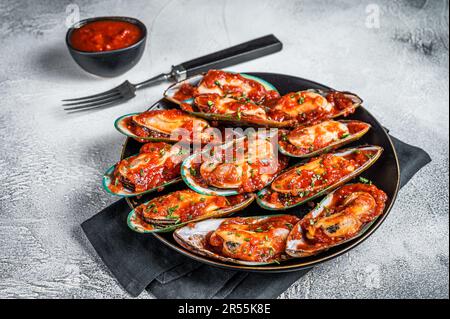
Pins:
x,y
51,163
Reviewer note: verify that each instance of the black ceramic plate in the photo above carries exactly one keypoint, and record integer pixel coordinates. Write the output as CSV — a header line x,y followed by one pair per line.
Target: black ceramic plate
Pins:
x,y
384,173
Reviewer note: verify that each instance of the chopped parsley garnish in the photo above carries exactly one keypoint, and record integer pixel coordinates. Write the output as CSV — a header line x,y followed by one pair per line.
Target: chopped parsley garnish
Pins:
x,y
192,171
171,210
217,83
364,180
301,100
259,230
210,103
345,135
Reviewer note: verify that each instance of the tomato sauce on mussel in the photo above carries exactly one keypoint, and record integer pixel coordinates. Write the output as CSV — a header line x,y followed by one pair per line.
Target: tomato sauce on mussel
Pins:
x,y
249,239
155,165
308,180
184,206
226,84
172,125
311,107
244,168
341,216
318,138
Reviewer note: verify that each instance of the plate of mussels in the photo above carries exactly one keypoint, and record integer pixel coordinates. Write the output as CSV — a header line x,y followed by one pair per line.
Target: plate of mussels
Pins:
x,y
255,171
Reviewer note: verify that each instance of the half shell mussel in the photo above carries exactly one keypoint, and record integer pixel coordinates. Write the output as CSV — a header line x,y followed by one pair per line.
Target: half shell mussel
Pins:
x,y
245,165
256,240
317,176
313,106
157,165
308,141
343,215
237,99
171,125
168,212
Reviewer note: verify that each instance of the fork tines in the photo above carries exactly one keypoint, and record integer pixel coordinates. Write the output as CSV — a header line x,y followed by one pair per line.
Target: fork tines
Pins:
x,y
119,94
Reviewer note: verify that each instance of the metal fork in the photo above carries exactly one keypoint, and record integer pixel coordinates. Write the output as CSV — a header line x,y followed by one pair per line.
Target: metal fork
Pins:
x,y
117,95
237,54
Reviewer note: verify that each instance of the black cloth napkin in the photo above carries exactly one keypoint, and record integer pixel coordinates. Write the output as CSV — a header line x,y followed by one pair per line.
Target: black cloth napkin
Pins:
x,y
142,262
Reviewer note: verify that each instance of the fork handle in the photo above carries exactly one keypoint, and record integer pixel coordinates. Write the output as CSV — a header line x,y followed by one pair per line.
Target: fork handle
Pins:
x,y
154,80
237,54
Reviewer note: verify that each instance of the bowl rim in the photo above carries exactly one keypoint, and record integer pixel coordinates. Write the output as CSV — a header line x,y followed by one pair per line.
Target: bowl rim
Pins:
x,y
83,22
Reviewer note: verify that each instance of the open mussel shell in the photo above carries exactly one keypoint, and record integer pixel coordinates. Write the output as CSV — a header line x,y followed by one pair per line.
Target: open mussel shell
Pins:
x,y
193,237
196,79
232,119
296,201
357,101
188,171
160,126
121,125
192,175
296,245
137,224
364,128
108,178
242,120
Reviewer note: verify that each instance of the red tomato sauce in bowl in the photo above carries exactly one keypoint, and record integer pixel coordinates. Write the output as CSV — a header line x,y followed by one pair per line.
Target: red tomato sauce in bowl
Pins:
x,y
105,35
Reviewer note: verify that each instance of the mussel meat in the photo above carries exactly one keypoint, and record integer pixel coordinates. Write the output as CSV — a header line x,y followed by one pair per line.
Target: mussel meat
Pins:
x,y
313,106
157,165
224,84
171,125
308,180
174,210
230,97
243,166
341,216
243,240
308,141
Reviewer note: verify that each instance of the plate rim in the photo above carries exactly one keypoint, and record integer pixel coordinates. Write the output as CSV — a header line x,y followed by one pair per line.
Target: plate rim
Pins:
x,y
279,268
